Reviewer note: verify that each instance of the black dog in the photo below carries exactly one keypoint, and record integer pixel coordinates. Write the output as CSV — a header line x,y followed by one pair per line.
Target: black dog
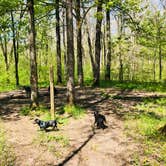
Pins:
x,y
100,120
27,90
45,124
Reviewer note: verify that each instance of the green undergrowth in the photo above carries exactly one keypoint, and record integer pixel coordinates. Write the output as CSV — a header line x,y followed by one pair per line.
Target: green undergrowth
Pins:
x,y
47,137
54,142
7,157
74,111
129,85
143,124
44,113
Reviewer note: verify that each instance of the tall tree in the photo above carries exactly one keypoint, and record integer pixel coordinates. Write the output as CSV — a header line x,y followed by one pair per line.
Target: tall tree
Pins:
x,y
108,47
33,61
79,43
70,53
58,45
99,17
120,31
15,49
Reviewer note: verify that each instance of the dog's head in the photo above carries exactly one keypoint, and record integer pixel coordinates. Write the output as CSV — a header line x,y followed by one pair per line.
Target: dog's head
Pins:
x,y
37,121
96,113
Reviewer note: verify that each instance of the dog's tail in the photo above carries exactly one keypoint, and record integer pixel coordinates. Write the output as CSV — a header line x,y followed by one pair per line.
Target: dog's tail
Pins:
x,y
59,122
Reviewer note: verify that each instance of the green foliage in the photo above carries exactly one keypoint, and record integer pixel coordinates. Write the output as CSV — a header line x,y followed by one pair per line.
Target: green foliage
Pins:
x,y
7,157
40,111
143,124
52,142
129,85
99,15
74,111
44,138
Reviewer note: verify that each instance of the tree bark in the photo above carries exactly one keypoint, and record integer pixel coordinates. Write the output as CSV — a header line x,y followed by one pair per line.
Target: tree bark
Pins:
x,y
4,51
160,54
33,61
64,45
108,47
70,54
58,45
98,45
52,110
90,48
120,30
15,50
79,44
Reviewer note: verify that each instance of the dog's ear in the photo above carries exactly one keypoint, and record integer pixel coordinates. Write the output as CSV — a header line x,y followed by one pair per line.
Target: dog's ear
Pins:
x,y
36,120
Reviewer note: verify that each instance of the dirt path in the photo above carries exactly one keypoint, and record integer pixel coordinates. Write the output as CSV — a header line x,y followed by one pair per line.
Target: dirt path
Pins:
x,y
109,147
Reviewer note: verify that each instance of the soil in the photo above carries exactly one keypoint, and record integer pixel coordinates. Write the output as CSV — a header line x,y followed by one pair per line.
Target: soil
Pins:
x,y
87,146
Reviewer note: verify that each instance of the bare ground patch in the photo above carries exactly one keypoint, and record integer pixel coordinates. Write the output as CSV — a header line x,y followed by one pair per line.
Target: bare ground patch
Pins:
x,y
87,147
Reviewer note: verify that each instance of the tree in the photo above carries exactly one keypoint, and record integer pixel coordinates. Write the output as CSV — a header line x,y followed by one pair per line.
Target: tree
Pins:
x,y
99,18
70,53
15,49
79,43
108,48
33,61
58,44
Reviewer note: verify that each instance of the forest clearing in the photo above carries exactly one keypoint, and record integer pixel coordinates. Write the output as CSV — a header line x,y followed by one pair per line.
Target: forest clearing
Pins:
x,y
82,83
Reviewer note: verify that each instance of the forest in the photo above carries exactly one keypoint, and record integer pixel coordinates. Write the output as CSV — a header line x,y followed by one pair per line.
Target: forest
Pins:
x,y
94,71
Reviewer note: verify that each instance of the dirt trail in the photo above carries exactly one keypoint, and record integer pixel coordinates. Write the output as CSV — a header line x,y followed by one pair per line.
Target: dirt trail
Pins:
x,y
109,147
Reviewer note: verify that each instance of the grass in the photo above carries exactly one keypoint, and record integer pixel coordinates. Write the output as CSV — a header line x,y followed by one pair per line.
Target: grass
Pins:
x,y
143,124
129,85
44,138
7,157
26,111
53,143
74,111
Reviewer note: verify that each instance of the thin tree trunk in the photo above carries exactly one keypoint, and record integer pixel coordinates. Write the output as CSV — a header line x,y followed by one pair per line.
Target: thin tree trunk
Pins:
x,y
154,66
160,59
79,44
5,54
108,39
120,29
15,50
64,45
52,110
58,45
90,48
98,45
70,53
33,61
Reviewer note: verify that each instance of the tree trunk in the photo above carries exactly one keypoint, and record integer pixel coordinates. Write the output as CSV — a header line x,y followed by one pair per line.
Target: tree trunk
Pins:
x,y
70,53
52,110
120,30
64,45
108,39
79,44
15,50
90,48
58,45
4,51
160,55
98,45
33,62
